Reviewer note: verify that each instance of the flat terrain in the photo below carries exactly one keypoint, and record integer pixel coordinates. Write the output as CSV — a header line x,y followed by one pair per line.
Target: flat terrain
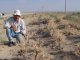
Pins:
x,y
50,36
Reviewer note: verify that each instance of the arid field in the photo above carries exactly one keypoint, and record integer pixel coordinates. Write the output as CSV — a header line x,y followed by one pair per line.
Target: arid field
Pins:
x,y
49,36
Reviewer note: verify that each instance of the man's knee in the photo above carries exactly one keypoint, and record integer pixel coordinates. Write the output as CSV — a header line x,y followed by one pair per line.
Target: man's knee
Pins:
x,y
7,30
19,37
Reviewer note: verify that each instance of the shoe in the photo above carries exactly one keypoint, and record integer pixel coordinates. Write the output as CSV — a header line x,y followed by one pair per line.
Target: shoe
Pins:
x,y
10,44
13,43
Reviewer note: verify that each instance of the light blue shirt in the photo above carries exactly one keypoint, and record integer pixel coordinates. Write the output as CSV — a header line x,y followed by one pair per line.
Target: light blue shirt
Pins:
x,y
21,27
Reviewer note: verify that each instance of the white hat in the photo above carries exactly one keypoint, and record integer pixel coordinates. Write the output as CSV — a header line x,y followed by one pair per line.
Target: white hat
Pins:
x,y
17,12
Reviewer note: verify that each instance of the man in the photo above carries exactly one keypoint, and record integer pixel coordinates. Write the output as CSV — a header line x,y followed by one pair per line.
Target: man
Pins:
x,y
15,28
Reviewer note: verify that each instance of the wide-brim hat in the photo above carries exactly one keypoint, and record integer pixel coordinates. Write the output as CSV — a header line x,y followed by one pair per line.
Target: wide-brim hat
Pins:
x,y
17,12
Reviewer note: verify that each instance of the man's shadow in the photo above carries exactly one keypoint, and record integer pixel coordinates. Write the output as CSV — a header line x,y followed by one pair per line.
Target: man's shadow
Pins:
x,y
4,43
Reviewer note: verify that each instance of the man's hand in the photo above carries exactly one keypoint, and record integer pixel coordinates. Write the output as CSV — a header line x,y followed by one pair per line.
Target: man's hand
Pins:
x,y
25,36
13,27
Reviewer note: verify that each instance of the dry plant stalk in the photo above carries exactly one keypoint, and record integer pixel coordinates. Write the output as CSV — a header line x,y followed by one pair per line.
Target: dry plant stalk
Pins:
x,y
37,51
40,52
56,33
23,46
77,51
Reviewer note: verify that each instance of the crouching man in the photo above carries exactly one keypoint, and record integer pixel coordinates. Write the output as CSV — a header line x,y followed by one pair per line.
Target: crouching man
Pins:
x,y
15,28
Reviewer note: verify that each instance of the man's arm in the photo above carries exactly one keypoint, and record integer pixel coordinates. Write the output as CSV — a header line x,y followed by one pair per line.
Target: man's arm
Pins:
x,y
23,28
13,27
7,24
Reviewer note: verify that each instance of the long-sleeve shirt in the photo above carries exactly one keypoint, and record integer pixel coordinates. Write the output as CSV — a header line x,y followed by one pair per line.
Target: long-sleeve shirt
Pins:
x,y
20,25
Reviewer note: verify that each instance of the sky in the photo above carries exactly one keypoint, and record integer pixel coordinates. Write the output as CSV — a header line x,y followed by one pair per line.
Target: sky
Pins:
x,y
39,5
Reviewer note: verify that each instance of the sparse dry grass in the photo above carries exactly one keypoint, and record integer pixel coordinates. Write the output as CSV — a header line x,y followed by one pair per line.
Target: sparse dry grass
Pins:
x,y
57,28
60,29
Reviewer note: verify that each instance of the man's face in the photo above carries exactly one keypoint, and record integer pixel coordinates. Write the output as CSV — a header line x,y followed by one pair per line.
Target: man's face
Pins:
x,y
16,17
